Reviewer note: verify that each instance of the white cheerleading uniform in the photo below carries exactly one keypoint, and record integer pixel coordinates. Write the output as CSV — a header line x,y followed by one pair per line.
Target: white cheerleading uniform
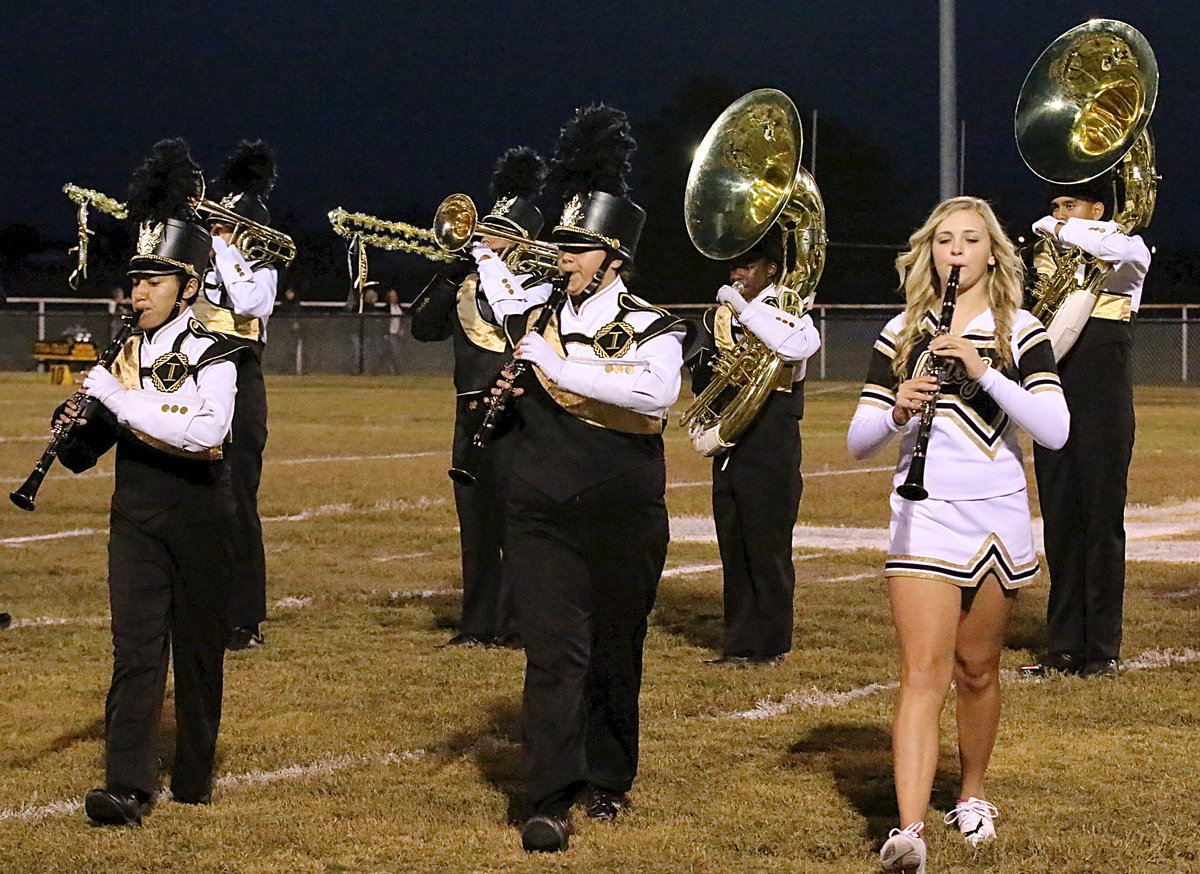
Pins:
x,y
976,519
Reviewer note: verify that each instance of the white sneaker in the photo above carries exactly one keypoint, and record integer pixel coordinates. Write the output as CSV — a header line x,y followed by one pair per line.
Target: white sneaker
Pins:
x,y
904,850
974,818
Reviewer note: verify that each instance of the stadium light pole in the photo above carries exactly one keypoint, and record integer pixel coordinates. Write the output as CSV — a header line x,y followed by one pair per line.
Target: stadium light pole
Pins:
x,y
948,102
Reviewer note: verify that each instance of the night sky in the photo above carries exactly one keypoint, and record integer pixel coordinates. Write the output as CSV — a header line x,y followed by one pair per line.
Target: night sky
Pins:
x,y
387,107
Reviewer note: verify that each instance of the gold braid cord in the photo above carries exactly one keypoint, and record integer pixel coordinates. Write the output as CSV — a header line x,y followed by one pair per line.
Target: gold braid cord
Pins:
x,y
86,197
102,202
393,236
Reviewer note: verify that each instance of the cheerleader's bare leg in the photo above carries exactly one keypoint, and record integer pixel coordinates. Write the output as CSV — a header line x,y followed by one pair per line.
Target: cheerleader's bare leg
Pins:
x,y
977,679
926,614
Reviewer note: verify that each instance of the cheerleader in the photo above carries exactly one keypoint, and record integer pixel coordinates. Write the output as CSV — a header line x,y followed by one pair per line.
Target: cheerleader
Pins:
x,y
956,560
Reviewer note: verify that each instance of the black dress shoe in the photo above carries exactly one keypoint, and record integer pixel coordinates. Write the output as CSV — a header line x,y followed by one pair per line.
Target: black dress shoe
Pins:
x,y
464,639
245,637
545,834
113,808
606,805
1100,668
728,659
508,641
1055,663
767,661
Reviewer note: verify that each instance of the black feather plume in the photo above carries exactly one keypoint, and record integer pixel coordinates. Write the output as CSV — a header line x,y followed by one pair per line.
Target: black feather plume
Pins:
x,y
519,172
163,186
249,170
593,153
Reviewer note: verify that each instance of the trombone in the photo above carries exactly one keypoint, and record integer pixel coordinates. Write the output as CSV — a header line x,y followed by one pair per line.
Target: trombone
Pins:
x,y
255,241
456,225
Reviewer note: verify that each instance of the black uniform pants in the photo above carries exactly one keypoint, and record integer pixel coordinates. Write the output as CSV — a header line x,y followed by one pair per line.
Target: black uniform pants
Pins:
x,y
756,497
486,603
168,579
585,574
248,603
1082,490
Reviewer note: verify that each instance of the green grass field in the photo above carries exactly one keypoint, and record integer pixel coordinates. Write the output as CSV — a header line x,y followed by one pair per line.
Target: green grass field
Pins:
x,y
352,743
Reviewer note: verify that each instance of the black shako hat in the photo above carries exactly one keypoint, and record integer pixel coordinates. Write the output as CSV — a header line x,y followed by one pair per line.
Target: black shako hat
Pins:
x,y
171,238
246,179
516,178
1098,190
768,248
588,171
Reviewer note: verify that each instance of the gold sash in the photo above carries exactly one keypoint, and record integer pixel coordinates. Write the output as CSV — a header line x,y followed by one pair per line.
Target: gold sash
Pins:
x,y
479,331
590,410
225,321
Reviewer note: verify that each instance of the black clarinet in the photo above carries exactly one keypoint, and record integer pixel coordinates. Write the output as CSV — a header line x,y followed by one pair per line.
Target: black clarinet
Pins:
x,y
913,487
467,474
25,496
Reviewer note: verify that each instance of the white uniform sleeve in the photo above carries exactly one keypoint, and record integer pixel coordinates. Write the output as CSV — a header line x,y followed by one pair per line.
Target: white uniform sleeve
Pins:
x,y
193,422
503,289
792,339
648,384
1044,414
1105,241
251,292
871,429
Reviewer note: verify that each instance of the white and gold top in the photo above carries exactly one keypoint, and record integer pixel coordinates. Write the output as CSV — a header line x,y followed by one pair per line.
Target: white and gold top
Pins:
x,y
237,297
179,391
973,451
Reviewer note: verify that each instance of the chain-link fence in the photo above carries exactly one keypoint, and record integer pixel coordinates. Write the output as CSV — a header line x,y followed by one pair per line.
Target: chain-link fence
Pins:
x,y
327,339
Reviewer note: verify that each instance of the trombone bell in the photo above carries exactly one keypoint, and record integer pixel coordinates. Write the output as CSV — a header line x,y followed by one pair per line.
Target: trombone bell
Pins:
x,y
456,225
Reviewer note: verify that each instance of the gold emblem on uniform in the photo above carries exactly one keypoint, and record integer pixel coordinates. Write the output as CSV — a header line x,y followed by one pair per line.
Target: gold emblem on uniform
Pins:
x,y
149,236
613,340
169,371
503,205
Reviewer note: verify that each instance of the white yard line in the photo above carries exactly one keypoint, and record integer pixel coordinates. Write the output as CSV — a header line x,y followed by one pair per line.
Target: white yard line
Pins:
x,y
401,557
815,474
327,458
232,782
764,709
40,621
813,698
687,570
57,535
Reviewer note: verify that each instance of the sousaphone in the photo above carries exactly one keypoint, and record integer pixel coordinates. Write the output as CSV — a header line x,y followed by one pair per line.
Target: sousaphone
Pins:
x,y
746,177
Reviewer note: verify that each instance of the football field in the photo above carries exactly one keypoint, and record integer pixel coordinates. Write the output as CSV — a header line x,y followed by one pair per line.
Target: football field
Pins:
x,y
352,743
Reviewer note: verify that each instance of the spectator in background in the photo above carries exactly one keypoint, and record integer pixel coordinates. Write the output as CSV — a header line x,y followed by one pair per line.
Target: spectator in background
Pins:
x,y
392,338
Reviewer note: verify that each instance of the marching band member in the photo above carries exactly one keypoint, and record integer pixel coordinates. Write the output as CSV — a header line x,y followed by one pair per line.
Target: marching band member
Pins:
x,y
957,559
236,301
1082,486
456,307
167,406
757,483
587,527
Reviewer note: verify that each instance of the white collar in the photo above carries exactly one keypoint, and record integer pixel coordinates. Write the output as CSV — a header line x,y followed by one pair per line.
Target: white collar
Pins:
x,y
614,287
170,329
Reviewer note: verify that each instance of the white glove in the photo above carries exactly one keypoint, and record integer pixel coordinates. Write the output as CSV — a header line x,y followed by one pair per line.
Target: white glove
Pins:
x,y
1047,225
104,387
534,349
481,252
727,294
